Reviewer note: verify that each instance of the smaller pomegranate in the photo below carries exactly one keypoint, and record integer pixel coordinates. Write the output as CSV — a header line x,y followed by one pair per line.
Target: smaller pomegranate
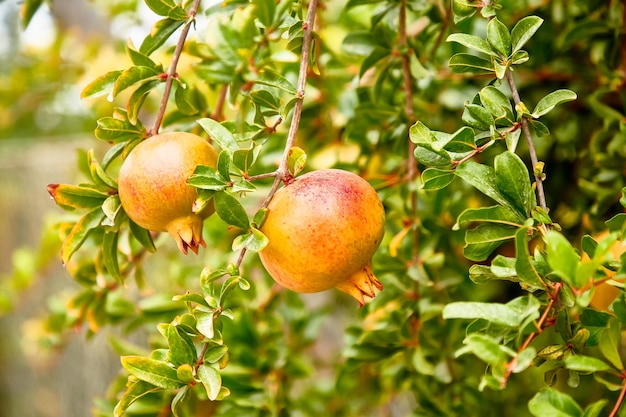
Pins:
x,y
153,187
323,230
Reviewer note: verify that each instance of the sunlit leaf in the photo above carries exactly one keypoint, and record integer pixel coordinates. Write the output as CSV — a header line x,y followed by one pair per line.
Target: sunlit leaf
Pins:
x,y
219,134
161,31
211,380
550,402
472,42
549,102
499,37
135,391
229,209
154,372
79,233
523,30
101,86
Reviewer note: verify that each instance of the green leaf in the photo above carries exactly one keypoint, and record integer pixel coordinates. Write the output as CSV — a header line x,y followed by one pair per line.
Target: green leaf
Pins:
x,y
583,363
179,399
205,324
136,389
610,342
181,348
493,214
219,134
161,7
98,174
482,177
526,270
523,30
141,60
229,209
463,9
524,359
206,178
497,103
513,182
132,76
265,99
27,11
223,164
550,402
142,235
484,347
562,257
275,79
436,179
211,380
215,353
254,241
499,37
74,240
71,197
111,129
296,159
481,241
103,85
477,117
552,100
470,64
183,99
138,97
492,312
160,32
461,141
472,42
594,409
157,373
109,254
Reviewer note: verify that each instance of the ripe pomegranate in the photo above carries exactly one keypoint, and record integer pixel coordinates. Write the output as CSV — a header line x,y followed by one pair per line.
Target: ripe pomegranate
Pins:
x,y
153,187
323,230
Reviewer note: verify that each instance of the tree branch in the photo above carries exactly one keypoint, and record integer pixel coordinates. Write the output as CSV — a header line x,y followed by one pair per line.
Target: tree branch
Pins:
x,y
171,73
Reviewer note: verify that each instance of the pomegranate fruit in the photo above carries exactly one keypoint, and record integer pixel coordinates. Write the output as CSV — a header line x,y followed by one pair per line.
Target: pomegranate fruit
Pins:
x,y
153,187
323,230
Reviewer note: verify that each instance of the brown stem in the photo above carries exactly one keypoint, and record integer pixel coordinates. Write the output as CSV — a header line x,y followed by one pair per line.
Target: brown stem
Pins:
x,y
529,140
218,113
620,400
297,111
171,73
281,172
410,114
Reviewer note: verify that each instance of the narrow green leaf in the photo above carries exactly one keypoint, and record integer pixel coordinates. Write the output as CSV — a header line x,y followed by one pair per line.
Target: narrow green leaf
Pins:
x,y
275,79
583,363
436,179
499,37
139,59
463,9
70,196
223,164
550,402
595,409
265,99
178,400
552,100
142,235
161,31
206,178
109,254
135,391
111,129
132,76
183,99
138,97
428,156
461,141
472,42
98,174
610,343
562,257
211,380
27,11
296,159
492,312
219,134
470,64
154,372
229,209
523,30
513,182
484,347
74,240
101,86
524,266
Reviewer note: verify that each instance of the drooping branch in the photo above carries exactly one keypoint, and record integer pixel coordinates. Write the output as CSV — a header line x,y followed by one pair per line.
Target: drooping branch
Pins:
x,y
171,73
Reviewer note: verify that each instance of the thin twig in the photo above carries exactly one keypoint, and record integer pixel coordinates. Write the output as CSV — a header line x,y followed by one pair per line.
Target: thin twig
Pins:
x,y
529,140
218,113
620,400
171,73
410,114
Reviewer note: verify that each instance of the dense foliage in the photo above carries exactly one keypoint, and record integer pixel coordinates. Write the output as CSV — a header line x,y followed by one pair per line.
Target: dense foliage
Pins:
x,y
495,135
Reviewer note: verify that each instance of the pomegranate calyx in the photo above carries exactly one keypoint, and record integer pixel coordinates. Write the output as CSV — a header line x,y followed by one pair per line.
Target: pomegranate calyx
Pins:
x,y
361,284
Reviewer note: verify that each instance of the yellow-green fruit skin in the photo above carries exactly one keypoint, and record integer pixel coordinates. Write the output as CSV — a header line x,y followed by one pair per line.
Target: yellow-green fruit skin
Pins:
x,y
323,230
153,187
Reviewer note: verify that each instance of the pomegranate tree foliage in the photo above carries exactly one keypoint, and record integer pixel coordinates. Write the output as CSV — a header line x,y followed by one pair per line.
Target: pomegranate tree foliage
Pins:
x,y
495,134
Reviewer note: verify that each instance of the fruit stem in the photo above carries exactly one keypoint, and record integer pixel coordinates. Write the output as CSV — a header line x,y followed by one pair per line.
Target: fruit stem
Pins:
x,y
171,73
297,110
